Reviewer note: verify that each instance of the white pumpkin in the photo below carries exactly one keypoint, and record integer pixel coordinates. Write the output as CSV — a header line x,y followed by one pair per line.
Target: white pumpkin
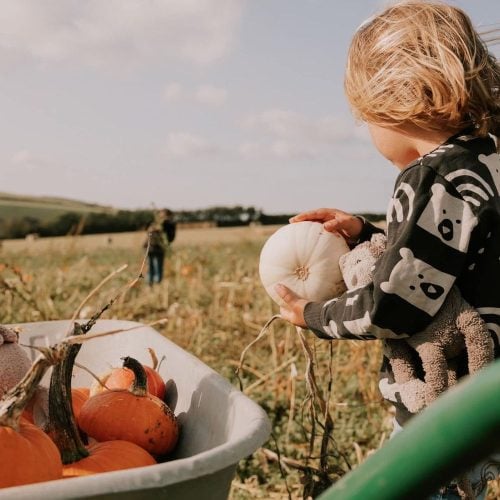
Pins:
x,y
305,258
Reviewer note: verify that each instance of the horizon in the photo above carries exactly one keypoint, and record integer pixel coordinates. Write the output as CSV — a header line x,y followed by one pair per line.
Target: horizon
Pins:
x,y
42,198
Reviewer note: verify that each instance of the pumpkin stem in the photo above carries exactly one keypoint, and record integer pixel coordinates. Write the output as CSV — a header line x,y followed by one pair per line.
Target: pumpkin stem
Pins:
x,y
61,425
15,400
154,358
302,273
139,385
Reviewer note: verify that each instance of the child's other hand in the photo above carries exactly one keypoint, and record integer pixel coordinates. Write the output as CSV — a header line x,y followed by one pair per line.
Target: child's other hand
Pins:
x,y
334,220
293,310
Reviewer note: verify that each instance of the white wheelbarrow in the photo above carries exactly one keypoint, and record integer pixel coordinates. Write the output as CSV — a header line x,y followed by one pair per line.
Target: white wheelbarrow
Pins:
x,y
219,424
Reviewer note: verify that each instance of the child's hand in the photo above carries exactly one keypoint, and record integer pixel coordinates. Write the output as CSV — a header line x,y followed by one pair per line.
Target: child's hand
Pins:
x,y
293,310
333,220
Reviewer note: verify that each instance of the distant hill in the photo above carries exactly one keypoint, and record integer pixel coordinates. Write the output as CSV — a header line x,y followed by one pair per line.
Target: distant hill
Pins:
x,y
44,208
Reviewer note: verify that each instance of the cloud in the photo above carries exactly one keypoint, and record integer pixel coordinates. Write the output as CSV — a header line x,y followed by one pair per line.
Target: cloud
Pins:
x,y
186,145
22,157
205,94
25,161
123,32
173,92
213,96
287,134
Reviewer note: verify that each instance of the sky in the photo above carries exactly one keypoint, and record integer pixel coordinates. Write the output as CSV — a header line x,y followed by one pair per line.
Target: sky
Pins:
x,y
189,104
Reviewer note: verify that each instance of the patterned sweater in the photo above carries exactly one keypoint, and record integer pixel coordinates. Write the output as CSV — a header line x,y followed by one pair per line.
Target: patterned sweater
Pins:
x,y
443,228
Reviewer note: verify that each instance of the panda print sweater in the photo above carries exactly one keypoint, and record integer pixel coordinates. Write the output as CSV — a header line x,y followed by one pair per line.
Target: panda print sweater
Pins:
x,y
443,228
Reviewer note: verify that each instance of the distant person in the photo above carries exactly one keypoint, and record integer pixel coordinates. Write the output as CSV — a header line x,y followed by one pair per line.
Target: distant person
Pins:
x,y
161,233
168,224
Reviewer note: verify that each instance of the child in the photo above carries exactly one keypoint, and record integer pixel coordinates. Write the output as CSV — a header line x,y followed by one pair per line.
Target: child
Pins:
x,y
424,82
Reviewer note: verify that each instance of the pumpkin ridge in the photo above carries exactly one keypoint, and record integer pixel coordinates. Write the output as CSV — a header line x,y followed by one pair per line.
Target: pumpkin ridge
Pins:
x,y
317,233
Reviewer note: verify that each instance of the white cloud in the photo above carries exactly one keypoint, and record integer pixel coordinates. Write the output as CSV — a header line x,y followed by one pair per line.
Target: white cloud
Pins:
x,y
286,124
205,94
287,134
251,150
118,32
173,92
185,145
26,168
22,157
25,161
213,96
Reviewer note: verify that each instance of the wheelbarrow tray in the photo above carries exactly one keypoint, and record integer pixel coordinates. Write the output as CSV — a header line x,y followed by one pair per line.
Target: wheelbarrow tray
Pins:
x,y
219,424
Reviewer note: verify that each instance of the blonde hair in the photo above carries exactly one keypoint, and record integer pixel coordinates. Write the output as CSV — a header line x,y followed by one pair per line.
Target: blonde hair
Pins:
x,y
423,63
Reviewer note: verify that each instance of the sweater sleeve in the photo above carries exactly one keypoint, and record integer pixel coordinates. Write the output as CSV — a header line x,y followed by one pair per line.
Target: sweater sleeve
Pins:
x,y
428,232
367,231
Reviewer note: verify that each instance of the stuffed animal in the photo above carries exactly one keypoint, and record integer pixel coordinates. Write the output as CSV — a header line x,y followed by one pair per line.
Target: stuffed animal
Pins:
x,y
357,268
455,327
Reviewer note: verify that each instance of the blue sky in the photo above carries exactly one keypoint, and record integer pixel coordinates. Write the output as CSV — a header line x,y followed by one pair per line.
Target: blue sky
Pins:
x,y
189,103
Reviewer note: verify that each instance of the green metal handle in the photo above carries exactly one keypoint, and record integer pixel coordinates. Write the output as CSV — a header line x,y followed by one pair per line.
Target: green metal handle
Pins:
x,y
453,434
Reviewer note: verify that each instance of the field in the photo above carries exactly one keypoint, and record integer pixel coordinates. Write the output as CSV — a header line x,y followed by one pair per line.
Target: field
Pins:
x,y
42,208
215,307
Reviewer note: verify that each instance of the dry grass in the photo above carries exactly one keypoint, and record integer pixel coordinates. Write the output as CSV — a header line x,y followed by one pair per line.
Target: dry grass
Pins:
x,y
216,306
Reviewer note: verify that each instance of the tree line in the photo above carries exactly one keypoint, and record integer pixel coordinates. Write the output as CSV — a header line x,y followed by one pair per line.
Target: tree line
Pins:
x,y
71,223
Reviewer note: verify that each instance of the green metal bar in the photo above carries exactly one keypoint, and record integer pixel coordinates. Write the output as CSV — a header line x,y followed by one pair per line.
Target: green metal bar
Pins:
x,y
449,437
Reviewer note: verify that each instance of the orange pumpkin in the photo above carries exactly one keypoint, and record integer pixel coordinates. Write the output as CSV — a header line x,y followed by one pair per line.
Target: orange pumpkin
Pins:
x,y
78,396
122,378
109,456
132,415
80,460
27,454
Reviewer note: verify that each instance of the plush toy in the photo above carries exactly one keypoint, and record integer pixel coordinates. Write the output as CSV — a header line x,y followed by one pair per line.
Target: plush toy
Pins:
x,y
456,326
357,268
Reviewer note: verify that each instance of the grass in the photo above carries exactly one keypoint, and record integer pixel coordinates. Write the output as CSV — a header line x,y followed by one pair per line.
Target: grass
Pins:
x,y
216,306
